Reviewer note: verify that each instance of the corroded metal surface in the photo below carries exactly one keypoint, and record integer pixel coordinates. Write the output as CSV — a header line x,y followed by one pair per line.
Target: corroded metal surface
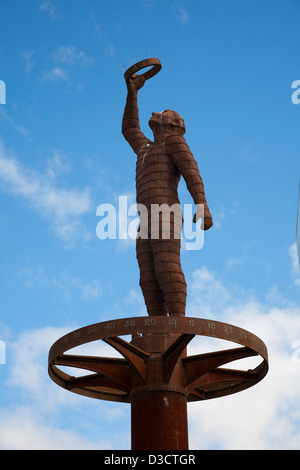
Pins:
x,y
159,421
168,368
155,373
160,163
141,65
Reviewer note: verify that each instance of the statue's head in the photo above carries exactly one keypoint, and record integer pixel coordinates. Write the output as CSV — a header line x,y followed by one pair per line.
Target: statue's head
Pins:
x,y
168,121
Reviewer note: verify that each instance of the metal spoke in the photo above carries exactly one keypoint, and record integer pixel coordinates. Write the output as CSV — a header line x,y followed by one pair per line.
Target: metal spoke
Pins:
x,y
115,368
96,380
134,355
221,382
197,366
172,354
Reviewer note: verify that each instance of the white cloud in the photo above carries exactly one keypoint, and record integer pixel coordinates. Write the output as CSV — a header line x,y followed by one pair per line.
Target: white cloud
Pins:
x,y
64,58
53,75
206,294
47,7
295,263
146,4
57,164
233,262
28,365
108,45
70,55
28,58
180,13
44,416
265,416
64,284
5,116
63,207
24,429
89,290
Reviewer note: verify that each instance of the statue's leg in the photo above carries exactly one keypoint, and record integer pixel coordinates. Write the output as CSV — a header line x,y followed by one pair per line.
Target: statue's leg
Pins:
x,y
151,290
166,255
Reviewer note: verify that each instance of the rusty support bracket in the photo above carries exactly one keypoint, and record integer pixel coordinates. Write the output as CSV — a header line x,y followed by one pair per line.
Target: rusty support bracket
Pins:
x,y
172,354
196,366
115,369
135,356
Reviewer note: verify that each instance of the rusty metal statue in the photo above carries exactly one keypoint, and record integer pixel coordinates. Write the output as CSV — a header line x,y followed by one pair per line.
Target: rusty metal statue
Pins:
x,y
159,166
155,373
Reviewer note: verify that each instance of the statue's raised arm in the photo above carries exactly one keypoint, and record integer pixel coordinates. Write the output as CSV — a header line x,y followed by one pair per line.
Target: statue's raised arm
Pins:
x,y
131,123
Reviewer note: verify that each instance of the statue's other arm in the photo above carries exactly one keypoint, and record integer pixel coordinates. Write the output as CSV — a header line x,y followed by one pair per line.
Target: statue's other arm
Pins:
x,y
177,148
130,123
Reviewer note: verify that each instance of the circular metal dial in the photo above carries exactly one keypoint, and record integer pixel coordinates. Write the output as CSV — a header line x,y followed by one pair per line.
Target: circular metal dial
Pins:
x,y
200,377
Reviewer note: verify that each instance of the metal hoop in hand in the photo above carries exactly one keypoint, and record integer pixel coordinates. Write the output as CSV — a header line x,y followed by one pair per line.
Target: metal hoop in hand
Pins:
x,y
141,65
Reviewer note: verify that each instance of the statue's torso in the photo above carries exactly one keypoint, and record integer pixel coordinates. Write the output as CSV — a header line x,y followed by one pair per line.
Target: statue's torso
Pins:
x,y
157,177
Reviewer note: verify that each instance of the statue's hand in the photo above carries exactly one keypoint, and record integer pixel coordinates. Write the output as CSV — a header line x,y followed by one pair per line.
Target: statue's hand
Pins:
x,y
207,222
135,82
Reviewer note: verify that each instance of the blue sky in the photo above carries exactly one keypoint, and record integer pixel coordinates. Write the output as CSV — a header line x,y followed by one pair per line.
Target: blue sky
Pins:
x,y
227,69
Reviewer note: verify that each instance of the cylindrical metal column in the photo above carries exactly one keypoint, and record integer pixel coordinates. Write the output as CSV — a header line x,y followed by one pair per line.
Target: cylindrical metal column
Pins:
x,y
159,405
159,421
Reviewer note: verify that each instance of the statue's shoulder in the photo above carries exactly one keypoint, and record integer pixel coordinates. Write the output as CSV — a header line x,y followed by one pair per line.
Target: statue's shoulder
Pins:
x,y
175,143
173,138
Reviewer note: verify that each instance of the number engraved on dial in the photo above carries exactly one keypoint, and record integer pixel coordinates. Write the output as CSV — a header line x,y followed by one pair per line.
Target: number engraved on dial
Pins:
x,y
150,321
92,330
228,329
172,322
128,323
242,334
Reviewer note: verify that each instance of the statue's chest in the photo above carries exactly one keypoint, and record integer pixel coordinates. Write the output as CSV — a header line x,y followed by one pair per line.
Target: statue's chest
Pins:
x,y
153,159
